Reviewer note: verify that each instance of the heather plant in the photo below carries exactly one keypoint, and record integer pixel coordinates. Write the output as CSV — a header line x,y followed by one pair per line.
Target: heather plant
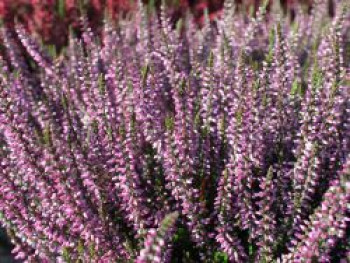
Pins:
x,y
154,143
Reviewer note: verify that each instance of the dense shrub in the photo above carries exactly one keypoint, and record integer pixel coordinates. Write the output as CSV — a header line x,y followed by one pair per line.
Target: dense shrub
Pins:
x,y
160,144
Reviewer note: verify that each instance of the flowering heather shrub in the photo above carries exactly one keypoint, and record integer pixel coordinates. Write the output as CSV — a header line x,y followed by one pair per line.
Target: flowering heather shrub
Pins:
x,y
228,143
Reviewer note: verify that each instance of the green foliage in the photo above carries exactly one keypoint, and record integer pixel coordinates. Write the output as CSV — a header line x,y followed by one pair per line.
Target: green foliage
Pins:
x,y
61,8
144,72
169,123
66,255
220,257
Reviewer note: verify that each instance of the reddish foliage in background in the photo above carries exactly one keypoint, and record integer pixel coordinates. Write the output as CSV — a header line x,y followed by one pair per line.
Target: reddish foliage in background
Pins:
x,y
42,17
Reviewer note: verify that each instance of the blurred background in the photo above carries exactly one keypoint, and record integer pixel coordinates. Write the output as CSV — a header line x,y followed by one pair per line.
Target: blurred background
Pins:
x,y
51,18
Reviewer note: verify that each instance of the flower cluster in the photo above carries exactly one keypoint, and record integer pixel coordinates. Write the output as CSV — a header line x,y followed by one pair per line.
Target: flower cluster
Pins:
x,y
149,143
